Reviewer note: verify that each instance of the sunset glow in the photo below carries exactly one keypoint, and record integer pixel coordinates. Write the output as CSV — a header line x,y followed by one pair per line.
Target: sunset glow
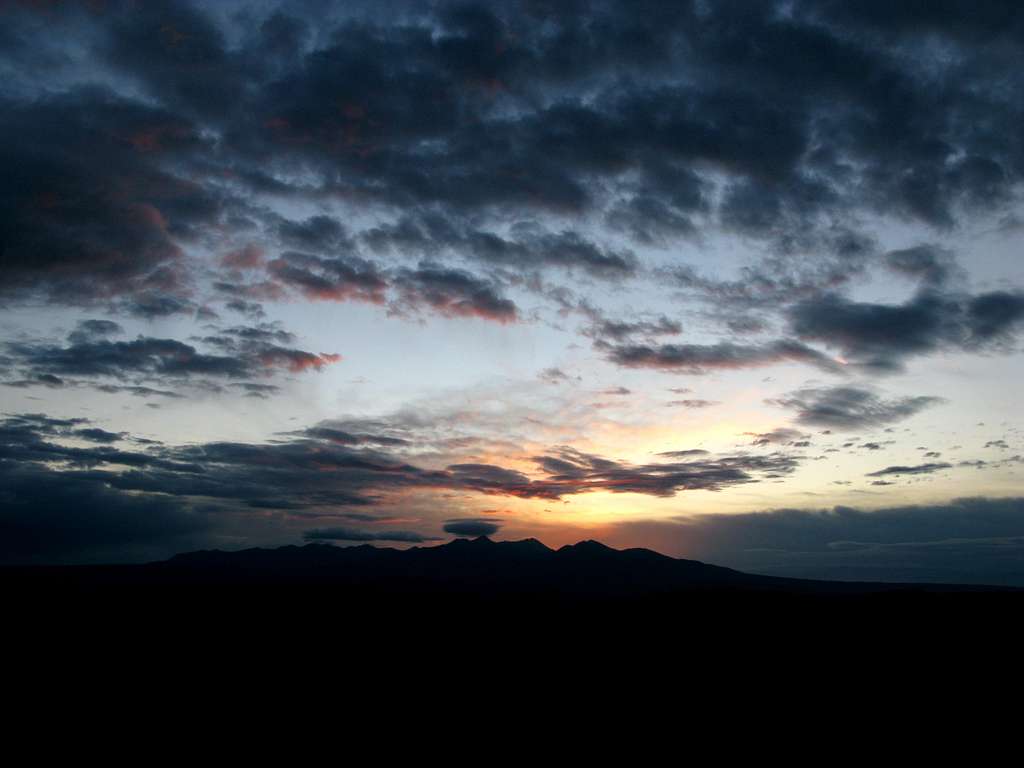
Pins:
x,y
733,281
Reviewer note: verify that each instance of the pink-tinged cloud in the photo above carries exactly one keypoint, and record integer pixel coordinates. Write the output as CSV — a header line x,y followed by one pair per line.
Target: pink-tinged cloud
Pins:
x,y
296,360
339,279
250,256
452,293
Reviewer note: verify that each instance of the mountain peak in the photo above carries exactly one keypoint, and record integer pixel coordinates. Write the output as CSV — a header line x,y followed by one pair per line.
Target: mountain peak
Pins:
x,y
587,546
479,541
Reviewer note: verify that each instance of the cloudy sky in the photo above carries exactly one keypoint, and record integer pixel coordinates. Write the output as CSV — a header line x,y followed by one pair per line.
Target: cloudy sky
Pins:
x,y
738,281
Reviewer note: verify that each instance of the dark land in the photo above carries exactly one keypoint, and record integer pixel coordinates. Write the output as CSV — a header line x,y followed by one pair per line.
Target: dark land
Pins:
x,y
464,575
471,605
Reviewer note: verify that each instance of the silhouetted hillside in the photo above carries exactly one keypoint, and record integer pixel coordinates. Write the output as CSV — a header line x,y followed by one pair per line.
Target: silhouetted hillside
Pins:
x,y
471,602
464,567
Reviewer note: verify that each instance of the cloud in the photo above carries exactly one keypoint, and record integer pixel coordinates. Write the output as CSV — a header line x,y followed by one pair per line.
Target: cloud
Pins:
x,y
152,306
851,408
317,233
337,533
879,337
451,293
917,469
454,126
329,472
553,376
335,279
969,540
695,359
571,471
50,516
604,329
472,526
616,391
250,353
93,205
527,248
780,436
928,263
88,330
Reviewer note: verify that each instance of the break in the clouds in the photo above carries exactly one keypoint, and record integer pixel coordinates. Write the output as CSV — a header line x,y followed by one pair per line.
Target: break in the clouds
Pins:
x,y
265,264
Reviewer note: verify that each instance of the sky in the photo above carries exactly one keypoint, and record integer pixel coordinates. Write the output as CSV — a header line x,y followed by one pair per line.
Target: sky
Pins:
x,y
735,281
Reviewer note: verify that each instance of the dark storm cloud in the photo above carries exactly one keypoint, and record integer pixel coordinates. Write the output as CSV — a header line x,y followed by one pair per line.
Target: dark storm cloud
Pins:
x,y
976,540
851,408
698,359
89,205
177,53
338,533
778,121
472,526
880,337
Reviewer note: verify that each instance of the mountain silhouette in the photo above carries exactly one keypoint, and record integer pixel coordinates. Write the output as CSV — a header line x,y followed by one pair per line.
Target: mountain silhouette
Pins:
x,y
465,599
478,567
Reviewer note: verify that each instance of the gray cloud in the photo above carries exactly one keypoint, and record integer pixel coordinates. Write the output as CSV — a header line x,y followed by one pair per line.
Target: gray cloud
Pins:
x,y
695,359
917,469
472,526
851,408
242,353
338,533
879,337
972,540
458,122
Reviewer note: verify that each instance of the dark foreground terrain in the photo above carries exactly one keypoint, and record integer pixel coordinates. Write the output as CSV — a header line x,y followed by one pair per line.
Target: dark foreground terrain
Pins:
x,y
477,604
465,569
478,581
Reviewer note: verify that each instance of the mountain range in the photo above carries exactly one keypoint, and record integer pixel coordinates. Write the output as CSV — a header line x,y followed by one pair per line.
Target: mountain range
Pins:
x,y
477,567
